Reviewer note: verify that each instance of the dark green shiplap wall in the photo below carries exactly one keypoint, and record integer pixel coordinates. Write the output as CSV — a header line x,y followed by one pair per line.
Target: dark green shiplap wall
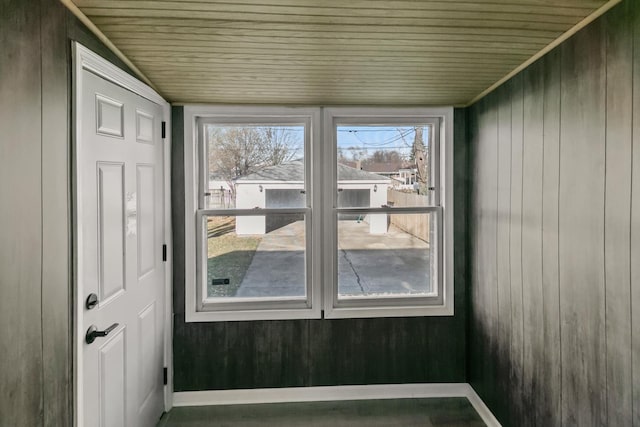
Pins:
x,y
295,353
554,336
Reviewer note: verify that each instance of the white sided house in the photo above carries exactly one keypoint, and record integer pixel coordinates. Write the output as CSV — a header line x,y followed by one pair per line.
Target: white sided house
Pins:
x,y
282,186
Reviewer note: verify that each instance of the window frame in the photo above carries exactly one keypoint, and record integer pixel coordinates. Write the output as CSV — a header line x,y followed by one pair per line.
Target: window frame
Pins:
x,y
440,305
197,308
320,177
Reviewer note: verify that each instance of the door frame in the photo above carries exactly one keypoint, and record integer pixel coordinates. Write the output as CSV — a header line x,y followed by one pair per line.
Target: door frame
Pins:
x,y
85,59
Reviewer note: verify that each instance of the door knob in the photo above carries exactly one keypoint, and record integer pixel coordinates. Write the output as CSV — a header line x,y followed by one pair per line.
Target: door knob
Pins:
x,y
93,332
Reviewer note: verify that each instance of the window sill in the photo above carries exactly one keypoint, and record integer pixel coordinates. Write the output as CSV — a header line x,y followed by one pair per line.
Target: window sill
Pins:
x,y
372,312
312,313
247,315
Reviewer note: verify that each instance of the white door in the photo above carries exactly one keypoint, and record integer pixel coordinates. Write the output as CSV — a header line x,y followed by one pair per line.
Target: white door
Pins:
x,y
119,201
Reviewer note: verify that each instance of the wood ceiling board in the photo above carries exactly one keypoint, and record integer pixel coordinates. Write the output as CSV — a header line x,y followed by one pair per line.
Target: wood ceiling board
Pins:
x,y
293,46
301,52
301,42
358,7
219,27
246,35
393,9
552,23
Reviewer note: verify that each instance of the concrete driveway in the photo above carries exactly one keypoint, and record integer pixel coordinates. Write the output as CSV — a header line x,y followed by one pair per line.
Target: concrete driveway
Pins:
x,y
368,264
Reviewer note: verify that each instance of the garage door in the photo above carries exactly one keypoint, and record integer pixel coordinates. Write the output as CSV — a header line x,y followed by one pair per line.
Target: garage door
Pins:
x,y
283,198
353,198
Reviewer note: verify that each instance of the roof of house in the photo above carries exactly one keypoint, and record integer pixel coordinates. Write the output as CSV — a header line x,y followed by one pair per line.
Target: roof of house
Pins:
x,y
294,171
384,167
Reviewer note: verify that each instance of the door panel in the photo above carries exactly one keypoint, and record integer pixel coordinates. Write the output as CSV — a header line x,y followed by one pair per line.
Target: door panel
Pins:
x,y
110,120
119,158
144,127
112,381
111,250
146,220
147,351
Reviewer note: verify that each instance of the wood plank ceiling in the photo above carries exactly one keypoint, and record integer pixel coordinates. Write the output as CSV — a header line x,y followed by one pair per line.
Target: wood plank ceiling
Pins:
x,y
391,52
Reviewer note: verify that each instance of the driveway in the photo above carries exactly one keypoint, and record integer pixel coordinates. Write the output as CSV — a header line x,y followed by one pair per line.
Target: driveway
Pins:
x,y
368,264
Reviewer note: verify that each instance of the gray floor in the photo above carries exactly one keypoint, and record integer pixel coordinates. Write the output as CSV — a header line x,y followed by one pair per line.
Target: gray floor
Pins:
x,y
436,412
368,263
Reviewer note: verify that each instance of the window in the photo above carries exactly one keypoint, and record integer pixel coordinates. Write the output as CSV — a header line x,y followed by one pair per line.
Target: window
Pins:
x,y
385,217
285,219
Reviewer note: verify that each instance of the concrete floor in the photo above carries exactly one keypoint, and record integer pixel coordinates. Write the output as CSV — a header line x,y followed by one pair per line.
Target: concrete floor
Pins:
x,y
391,263
436,412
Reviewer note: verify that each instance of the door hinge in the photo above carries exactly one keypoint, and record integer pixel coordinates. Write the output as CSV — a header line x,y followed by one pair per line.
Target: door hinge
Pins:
x,y
164,130
164,253
165,376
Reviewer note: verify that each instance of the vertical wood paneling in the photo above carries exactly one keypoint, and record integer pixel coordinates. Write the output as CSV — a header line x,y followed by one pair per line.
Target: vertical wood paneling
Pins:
x,y
488,246
461,157
177,207
21,384
475,339
503,240
617,214
581,253
532,238
486,204
56,238
515,249
550,386
268,354
574,234
635,221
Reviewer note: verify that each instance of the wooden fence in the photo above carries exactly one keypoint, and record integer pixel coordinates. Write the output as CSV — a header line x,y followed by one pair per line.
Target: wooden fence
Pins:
x,y
414,224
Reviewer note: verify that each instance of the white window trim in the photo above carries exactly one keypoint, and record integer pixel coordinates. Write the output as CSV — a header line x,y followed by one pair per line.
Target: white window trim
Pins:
x,y
322,151
313,148
385,308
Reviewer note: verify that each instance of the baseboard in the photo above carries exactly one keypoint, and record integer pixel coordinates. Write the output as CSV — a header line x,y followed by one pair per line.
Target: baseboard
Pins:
x,y
323,394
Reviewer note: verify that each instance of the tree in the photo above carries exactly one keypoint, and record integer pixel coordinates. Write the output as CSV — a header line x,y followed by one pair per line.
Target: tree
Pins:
x,y
384,156
357,153
240,151
278,146
419,156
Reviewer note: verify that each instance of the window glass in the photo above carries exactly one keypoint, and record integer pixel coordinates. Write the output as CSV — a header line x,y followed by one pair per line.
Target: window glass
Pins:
x,y
260,256
386,255
253,166
376,162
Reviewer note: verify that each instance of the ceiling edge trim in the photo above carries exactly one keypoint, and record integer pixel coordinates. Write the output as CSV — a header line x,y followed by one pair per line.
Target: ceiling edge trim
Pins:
x,y
104,39
564,36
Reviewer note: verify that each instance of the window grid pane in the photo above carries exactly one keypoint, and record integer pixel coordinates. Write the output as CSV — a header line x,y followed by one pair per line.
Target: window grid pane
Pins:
x,y
250,257
382,255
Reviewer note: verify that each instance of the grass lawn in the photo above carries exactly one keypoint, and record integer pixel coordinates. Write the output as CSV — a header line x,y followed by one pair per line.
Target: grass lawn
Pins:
x,y
229,255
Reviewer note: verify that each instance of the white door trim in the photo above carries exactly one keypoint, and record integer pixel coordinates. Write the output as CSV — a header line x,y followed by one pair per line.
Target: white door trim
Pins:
x,y
331,393
85,59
